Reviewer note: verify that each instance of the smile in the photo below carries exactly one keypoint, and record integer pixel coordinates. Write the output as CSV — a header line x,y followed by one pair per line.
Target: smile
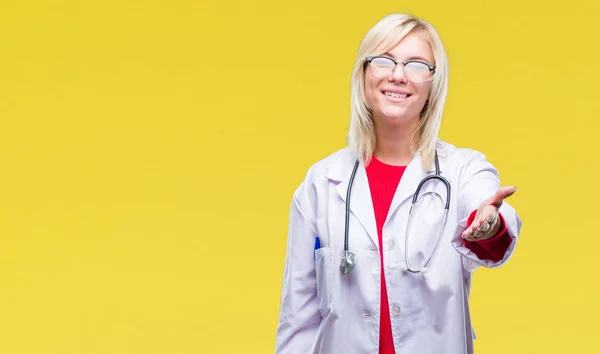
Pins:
x,y
396,96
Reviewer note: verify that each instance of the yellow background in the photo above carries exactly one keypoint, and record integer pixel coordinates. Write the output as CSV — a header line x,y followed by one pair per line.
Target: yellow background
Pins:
x,y
149,151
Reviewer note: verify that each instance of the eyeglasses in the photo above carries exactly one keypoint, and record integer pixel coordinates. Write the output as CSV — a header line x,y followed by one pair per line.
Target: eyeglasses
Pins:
x,y
416,72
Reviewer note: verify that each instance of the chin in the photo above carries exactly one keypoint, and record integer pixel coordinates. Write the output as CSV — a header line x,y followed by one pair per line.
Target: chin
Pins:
x,y
397,115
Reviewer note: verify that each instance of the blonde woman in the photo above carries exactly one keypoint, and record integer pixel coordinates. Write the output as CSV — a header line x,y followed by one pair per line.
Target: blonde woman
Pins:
x,y
385,234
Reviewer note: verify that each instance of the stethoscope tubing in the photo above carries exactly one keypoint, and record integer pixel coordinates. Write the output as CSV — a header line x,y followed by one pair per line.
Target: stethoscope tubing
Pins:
x,y
349,259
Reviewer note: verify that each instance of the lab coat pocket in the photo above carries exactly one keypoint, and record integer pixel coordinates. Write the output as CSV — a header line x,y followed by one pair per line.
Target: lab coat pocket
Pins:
x,y
324,273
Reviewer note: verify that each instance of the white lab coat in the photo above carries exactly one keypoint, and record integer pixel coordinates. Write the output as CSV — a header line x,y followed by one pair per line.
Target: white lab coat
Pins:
x,y
324,311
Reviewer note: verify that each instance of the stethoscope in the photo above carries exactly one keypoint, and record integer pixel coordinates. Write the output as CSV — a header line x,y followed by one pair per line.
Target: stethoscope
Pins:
x,y
349,259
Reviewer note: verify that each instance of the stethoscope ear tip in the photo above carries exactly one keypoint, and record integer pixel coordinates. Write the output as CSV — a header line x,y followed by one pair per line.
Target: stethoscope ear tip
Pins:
x,y
424,270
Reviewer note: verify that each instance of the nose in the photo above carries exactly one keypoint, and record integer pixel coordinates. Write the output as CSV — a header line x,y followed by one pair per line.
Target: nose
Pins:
x,y
398,74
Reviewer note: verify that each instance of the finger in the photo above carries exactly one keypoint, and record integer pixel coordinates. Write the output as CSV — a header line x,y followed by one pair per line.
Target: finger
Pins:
x,y
484,227
484,231
486,215
471,230
468,232
480,226
475,224
474,237
489,222
501,194
478,234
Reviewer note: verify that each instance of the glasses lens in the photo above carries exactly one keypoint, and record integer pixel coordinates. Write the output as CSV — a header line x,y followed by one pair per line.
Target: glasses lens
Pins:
x,y
382,68
416,73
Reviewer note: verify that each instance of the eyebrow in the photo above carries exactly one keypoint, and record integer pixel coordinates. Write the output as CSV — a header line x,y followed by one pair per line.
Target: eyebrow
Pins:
x,y
414,57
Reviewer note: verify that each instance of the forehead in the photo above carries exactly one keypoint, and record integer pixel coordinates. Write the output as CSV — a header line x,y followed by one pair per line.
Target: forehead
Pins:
x,y
412,46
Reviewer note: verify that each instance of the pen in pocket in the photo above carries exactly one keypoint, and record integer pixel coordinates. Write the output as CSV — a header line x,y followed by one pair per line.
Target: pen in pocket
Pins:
x,y
317,246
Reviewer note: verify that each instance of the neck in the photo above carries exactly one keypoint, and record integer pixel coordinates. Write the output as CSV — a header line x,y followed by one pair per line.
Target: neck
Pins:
x,y
393,143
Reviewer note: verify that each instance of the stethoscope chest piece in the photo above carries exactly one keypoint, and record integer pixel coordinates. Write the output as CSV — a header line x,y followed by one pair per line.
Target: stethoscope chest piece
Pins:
x,y
348,262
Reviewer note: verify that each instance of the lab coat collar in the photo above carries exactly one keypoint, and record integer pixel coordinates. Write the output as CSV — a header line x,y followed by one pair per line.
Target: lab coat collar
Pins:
x,y
361,205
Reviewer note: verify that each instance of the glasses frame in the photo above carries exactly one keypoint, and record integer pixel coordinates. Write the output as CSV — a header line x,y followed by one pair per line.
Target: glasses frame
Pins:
x,y
369,59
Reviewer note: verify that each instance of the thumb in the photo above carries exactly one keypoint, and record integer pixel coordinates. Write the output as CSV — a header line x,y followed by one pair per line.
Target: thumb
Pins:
x,y
501,194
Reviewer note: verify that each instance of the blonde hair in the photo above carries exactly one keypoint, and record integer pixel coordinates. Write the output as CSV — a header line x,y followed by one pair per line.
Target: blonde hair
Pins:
x,y
384,36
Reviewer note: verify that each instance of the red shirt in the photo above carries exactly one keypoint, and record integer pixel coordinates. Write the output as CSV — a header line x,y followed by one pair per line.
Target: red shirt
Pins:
x,y
383,181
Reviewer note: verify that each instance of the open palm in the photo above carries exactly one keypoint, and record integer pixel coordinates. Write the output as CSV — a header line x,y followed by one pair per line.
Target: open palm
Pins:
x,y
486,223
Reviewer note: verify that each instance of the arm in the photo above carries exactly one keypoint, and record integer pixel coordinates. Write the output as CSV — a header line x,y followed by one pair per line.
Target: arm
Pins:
x,y
479,182
299,316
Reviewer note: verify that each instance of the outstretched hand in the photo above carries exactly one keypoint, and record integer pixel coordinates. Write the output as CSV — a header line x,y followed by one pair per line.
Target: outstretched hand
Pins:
x,y
486,223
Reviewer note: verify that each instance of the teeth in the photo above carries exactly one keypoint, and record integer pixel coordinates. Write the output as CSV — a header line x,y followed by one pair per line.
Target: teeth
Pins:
x,y
395,94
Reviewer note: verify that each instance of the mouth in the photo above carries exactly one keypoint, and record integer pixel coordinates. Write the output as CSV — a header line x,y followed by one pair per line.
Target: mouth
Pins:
x,y
396,96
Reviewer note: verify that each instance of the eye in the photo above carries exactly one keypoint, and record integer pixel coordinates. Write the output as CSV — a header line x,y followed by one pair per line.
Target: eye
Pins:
x,y
383,62
417,67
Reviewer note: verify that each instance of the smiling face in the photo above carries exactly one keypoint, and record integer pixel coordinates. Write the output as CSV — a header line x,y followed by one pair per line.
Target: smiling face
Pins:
x,y
395,100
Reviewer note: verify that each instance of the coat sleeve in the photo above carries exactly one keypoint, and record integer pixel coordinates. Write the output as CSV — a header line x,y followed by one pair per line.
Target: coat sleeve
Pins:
x,y
299,316
480,180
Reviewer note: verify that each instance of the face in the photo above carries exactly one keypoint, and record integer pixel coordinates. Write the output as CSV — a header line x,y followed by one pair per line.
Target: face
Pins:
x,y
395,100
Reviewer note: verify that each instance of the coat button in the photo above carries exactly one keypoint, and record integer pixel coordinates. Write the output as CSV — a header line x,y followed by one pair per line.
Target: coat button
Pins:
x,y
390,244
395,310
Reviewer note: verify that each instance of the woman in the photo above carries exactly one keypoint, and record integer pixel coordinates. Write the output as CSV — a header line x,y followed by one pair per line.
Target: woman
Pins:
x,y
379,291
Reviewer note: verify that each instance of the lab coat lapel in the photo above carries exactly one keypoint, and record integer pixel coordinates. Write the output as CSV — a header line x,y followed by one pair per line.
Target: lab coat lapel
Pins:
x,y
409,182
361,203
